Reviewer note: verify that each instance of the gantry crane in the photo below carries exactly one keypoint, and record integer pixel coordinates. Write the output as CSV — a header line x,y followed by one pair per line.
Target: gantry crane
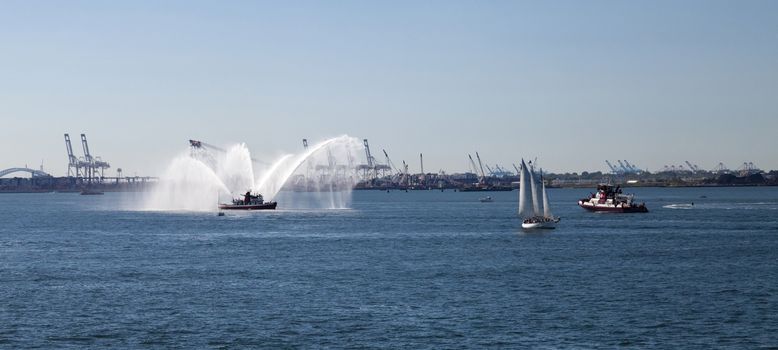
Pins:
x,y
92,165
613,168
72,160
694,168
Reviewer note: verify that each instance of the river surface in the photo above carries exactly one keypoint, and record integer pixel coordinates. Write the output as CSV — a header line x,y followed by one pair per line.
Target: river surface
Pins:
x,y
425,269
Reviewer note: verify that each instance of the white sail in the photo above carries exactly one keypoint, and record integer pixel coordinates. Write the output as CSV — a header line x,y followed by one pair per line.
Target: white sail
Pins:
x,y
546,208
541,204
525,201
537,210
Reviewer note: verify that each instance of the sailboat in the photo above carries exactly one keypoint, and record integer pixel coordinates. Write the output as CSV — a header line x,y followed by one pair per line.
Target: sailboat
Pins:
x,y
534,209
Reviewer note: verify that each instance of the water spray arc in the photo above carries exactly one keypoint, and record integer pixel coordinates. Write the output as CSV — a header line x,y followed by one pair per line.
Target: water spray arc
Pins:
x,y
207,175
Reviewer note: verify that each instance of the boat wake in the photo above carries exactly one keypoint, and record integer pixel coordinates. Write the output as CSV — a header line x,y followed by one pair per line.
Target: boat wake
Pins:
x,y
724,206
679,206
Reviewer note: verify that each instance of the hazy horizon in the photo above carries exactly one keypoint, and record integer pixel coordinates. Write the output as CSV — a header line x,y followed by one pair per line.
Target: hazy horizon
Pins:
x,y
573,84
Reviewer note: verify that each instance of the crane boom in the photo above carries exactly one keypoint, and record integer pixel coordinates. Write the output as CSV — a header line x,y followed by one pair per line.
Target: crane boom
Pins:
x,y
367,153
613,168
694,167
195,144
622,166
200,144
472,164
72,160
631,167
391,164
483,176
88,161
85,145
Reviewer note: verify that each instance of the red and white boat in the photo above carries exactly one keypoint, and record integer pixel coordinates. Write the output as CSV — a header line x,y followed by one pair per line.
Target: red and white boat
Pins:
x,y
612,200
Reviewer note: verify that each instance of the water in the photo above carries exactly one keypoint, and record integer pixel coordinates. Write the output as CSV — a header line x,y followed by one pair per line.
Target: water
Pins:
x,y
397,270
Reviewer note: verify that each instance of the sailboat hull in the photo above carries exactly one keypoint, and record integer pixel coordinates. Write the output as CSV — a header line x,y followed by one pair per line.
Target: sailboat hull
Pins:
x,y
538,225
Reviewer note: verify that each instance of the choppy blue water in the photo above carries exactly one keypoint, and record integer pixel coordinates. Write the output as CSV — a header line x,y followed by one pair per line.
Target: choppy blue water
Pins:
x,y
398,270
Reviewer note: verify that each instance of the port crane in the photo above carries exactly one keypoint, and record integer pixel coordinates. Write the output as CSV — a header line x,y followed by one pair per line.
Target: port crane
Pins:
x,y
406,178
721,169
372,167
72,160
476,171
391,164
694,168
370,159
490,170
95,165
200,148
200,144
499,171
472,165
613,168
483,176
632,168
748,168
623,167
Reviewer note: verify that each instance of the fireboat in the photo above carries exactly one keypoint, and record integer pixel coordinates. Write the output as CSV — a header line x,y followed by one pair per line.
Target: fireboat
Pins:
x,y
249,202
610,199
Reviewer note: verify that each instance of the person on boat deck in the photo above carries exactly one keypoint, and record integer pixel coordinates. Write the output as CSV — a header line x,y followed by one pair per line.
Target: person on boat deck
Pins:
x,y
247,197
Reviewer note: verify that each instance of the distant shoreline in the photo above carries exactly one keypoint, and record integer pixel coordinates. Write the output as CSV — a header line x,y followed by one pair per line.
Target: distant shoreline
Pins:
x,y
10,191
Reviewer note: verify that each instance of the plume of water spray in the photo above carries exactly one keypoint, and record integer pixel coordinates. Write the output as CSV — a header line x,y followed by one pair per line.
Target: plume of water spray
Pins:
x,y
235,169
187,184
199,180
331,161
277,176
269,183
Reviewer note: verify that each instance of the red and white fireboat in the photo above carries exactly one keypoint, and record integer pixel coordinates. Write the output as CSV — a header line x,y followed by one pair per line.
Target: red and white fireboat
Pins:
x,y
610,199
249,202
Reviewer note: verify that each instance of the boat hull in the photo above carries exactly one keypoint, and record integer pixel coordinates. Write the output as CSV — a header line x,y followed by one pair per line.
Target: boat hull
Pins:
x,y
542,223
612,209
90,193
538,225
263,206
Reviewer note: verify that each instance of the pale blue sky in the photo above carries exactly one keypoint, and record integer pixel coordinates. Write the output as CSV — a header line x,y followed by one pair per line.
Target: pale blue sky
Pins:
x,y
573,83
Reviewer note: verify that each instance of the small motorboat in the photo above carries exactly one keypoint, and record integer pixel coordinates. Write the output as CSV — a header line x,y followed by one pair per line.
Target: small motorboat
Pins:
x,y
486,199
249,202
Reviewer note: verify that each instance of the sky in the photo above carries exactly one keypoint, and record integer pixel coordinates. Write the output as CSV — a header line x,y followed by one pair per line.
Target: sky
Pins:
x,y
570,82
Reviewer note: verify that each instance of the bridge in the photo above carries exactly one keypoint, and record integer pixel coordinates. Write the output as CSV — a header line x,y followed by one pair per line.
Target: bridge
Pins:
x,y
18,170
